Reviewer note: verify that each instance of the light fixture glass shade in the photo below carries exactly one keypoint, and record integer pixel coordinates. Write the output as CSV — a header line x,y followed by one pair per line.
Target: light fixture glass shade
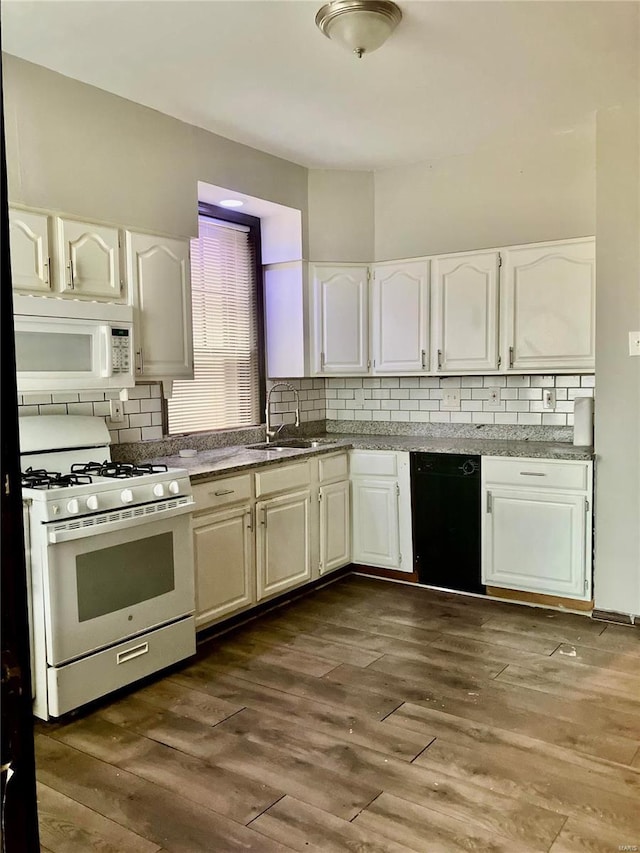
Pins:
x,y
361,26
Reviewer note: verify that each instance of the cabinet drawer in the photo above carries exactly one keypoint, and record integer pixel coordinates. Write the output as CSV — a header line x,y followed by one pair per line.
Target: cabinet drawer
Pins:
x,y
221,492
374,463
333,468
84,680
280,479
536,473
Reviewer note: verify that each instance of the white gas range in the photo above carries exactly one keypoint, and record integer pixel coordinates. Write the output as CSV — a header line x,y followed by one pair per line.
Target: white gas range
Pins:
x,y
110,561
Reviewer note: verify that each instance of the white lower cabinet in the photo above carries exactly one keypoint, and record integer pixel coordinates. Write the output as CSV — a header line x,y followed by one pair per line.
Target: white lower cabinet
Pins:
x,y
223,552
537,526
283,542
335,526
381,510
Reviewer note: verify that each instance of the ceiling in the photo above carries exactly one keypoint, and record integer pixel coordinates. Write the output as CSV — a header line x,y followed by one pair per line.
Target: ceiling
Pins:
x,y
454,77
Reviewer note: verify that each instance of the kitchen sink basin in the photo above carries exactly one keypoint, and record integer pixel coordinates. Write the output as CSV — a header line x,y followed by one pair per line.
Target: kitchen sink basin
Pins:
x,y
286,444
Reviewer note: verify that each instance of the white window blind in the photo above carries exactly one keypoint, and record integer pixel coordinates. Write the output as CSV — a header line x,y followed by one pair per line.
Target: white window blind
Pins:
x,y
224,392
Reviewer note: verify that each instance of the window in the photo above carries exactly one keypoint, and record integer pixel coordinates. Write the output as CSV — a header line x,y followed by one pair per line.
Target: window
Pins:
x,y
227,388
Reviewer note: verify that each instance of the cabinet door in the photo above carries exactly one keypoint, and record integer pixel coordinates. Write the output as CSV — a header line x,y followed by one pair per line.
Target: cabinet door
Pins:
x,y
335,527
88,260
223,551
535,541
29,241
159,271
400,317
341,318
283,542
549,307
466,312
375,522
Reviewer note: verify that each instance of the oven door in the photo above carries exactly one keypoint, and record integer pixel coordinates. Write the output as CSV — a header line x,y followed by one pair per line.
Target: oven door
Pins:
x,y
103,588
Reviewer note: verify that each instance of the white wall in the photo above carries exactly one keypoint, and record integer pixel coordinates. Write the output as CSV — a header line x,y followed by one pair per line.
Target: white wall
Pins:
x,y
617,434
341,216
540,189
78,149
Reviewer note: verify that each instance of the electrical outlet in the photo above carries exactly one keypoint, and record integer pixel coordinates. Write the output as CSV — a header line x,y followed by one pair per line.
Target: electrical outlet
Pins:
x,y
493,400
451,399
634,343
117,411
549,398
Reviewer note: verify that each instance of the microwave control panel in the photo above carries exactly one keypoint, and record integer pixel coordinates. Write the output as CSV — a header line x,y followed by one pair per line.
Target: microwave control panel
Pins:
x,y
120,350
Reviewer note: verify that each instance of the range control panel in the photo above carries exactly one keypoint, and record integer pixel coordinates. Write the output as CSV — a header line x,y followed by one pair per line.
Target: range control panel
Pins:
x,y
120,350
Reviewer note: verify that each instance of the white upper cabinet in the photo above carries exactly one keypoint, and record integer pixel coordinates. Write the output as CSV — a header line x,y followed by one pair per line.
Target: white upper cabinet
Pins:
x,y
400,317
29,241
88,260
159,275
548,309
340,319
465,312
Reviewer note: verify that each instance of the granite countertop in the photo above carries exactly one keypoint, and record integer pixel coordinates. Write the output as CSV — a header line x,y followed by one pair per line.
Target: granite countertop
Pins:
x,y
227,460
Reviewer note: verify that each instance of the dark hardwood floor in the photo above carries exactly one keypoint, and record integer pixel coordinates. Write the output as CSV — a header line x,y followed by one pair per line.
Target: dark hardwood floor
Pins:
x,y
368,717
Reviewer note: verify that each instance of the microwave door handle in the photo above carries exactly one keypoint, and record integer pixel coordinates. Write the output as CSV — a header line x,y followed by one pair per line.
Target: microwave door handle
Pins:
x,y
107,363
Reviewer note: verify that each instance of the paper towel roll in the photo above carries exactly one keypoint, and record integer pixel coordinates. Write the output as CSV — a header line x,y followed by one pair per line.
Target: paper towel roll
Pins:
x,y
583,421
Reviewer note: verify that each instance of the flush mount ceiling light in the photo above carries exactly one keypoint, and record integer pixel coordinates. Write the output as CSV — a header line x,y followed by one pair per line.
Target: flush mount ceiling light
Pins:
x,y
231,202
361,26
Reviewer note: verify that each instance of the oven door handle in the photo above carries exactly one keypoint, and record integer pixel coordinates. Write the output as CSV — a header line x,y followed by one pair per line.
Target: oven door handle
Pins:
x,y
120,520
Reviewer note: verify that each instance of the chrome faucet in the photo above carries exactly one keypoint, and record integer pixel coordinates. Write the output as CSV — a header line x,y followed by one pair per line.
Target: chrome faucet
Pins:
x,y
272,433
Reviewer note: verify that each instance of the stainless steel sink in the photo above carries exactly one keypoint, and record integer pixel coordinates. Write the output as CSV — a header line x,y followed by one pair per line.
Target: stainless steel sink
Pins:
x,y
286,444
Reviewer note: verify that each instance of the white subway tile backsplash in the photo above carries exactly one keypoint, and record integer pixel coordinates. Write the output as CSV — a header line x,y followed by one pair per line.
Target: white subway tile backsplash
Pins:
x,y
399,394
494,381
125,436
389,404
140,420
461,417
567,381
451,382
472,382
587,381
102,409
429,382
29,410
482,417
429,406
409,382
508,393
553,419
373,382
139,392
390,382
53,409
36,399
517,405
80,409
518,381
471,405
346,394
65,397
440,417
418,417
543,381
131,407
505,418
353,383
580,392
530,393
529,419
153,432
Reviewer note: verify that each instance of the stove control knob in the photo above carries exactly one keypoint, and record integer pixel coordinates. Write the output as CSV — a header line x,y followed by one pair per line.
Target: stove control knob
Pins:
x,y
73,506
92,502
158,490
126,496
174,487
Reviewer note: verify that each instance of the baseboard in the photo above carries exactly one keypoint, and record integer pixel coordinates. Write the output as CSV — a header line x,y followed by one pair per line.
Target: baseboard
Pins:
x,y
538,598
618,618
204,634
389,574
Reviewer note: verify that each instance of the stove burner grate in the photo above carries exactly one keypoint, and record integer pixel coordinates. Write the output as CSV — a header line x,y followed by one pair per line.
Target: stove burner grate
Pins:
x,y
42,479
117,470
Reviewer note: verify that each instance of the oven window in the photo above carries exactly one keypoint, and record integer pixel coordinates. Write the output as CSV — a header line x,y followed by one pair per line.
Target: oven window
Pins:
x,y
118,577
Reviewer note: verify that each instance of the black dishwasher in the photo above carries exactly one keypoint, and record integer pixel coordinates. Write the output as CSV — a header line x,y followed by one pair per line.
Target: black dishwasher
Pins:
x,y
445,497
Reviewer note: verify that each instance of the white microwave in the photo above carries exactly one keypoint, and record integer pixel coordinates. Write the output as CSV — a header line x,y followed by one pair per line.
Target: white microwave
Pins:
x,y
70,345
